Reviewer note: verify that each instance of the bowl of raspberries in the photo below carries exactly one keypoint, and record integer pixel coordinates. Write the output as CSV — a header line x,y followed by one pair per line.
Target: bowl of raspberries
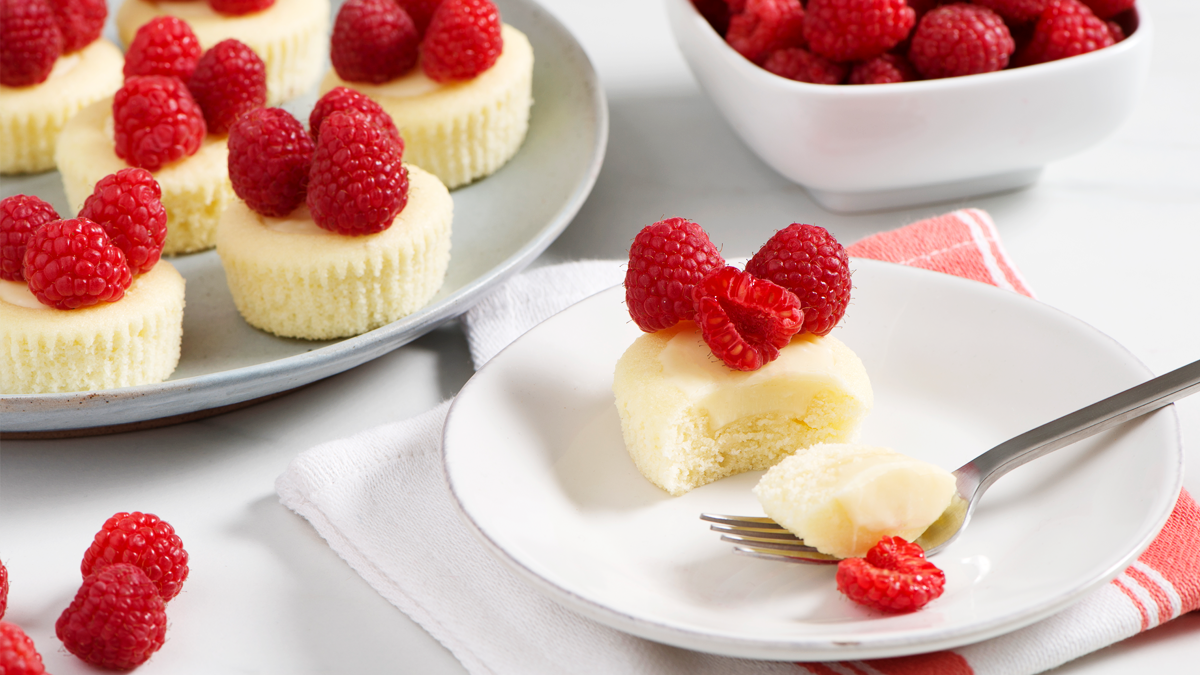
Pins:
x,y
878,104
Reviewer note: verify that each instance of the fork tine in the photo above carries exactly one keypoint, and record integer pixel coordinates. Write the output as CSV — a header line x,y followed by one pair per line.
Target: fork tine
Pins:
x,y
756,522
806,559
795,545
779,535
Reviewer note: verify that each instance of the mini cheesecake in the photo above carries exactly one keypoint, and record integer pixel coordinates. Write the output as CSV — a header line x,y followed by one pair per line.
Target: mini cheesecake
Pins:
x,y
459,131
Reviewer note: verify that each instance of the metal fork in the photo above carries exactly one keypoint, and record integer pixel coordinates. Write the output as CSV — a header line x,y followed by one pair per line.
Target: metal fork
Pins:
x,y
764,538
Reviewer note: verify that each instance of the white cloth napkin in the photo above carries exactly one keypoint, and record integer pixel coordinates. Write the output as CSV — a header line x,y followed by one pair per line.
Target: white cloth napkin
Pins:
x,y
379,498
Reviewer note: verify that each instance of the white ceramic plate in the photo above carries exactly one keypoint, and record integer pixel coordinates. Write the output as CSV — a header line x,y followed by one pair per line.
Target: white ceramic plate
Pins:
x,y
535,459
501,224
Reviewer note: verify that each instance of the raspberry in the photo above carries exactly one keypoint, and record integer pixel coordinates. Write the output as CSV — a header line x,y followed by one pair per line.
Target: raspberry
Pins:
x,y
20,215
116,620
1116,31
745,320
797,63
764,26
239,7
462,41
882,69
80,21
894,577
1065,28
18,655
1014,11
3,589
270,154
856,30
1106,9
343,98
666,261
165,45
32,42
128,205
960,39
808,261
421,11
145,541
72,263
715,12
156,121
229,80
357,184
373,41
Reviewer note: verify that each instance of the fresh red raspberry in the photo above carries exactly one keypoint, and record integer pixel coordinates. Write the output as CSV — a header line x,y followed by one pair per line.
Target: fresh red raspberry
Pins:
x,y
420,11
1115,29
145,541
357,184
270,155
960,39
808,261
18,655
462,41
344,98
797,63
117,619
156,121
1066,28
373,41
165,45
239,7
128,204
883,69
666,261
715,12
895,577
229,81
20,215
765,26
1015,11
1107,9
72,263
745,320
32,42
856,30
80,21
3,589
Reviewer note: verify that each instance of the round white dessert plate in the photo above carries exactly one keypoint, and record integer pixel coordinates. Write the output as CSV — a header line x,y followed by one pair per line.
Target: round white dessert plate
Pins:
x,y
501,223
536,463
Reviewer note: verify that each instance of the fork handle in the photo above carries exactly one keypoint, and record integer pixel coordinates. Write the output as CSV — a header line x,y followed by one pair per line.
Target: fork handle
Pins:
x,y
1095,418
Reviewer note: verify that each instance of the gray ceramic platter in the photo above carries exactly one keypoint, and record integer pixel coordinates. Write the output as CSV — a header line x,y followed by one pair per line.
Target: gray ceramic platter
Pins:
x,y
501,224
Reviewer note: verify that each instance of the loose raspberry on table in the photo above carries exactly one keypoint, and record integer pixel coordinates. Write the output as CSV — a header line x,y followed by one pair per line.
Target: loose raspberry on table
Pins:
x,y
766,26
357,184
883,69
72,263
894,577
239,7
420,11
32,42
462,41
810,262
20,215
145,541
156,121
18,655
1014,11
165,45
1107,9
344,98
373,41
745,320
230,80
1065,28
128,204
666,261
960,39
797,63
270,155
81,22
856,30
117,619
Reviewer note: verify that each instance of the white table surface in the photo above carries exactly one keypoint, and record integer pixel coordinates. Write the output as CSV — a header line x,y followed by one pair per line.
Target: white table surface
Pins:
x,y
1109,236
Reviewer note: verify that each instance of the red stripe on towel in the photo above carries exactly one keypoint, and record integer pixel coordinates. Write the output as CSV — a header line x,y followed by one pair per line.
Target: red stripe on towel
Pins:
x,y
1175,552
1133,598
